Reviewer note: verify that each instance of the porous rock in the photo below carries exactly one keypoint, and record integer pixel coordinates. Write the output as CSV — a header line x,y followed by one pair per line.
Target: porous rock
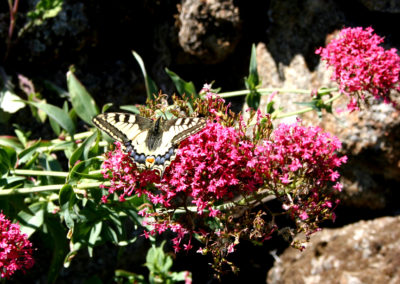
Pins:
x,y
209,30
363,252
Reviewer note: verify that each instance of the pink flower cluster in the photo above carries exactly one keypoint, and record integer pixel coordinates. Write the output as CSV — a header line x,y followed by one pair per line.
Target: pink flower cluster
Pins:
x,y
295,163
304,159
15,249
361,65
124,177
210,166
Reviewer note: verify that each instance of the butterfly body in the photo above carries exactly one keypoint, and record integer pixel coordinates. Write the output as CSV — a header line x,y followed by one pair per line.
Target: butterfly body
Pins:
x,y
150,144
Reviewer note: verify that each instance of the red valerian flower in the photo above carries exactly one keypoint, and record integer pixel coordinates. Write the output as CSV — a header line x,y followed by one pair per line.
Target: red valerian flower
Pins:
x,y
304,159
15,248
361,66
211,165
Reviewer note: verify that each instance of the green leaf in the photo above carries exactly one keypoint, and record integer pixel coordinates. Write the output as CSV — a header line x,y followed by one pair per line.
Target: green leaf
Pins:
x,y
27,154
5,164
11,141
8,157
45,9
130,108
58,114
253,81
57,232
111,234
94,234
56,128
67,200
151,87
82,169
181,85
32,220
106,107
22,137
11,182
82,152
81,100
11,155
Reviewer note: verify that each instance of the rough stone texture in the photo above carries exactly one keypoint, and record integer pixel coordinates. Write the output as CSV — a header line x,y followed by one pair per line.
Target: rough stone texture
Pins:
x,y
364,252
370,136
386,6
298,27
209,29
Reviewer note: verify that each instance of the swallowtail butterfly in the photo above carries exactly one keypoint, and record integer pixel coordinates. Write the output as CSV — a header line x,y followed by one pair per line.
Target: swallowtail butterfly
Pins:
x,y
150,144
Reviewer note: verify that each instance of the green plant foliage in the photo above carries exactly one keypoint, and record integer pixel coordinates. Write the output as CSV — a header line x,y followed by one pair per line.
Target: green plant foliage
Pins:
x,y
59,115
54,188
252,82
45,9
151,87
83,104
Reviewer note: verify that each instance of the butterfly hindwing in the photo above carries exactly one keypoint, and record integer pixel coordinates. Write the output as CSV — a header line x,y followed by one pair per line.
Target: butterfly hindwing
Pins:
x,y
151,145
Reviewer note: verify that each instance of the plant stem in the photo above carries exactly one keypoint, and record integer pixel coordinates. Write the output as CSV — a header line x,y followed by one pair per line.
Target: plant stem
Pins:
x,y
53,187
265,91
304,110
35,189
38,173
79,136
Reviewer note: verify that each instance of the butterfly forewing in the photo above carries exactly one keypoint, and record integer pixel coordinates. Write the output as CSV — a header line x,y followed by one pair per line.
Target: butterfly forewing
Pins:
x,y
150,144
183,127
122,126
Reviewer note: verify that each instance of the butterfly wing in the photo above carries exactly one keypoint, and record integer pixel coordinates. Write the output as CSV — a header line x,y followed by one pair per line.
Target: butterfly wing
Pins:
x,y
122,127
150,145
173,132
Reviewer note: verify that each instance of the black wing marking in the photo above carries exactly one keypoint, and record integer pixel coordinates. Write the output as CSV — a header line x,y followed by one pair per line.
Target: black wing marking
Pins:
x,y
122,126
183,127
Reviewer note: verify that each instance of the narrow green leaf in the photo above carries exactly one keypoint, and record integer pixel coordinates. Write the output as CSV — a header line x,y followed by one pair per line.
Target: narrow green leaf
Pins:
x,y
81,100
253,73
181,85
111,234
151,87
11,182
81,153
57,232
5,164
82,169
270,107
58,114
56,128
67,200
8,156
130,108
94,234
11,141
11,155
106,107
253,81
26,154
33,220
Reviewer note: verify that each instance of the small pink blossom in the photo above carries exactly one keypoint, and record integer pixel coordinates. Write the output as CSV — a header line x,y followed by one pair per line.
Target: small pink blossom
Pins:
x,y
361,66
15,249
231,248
303,215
